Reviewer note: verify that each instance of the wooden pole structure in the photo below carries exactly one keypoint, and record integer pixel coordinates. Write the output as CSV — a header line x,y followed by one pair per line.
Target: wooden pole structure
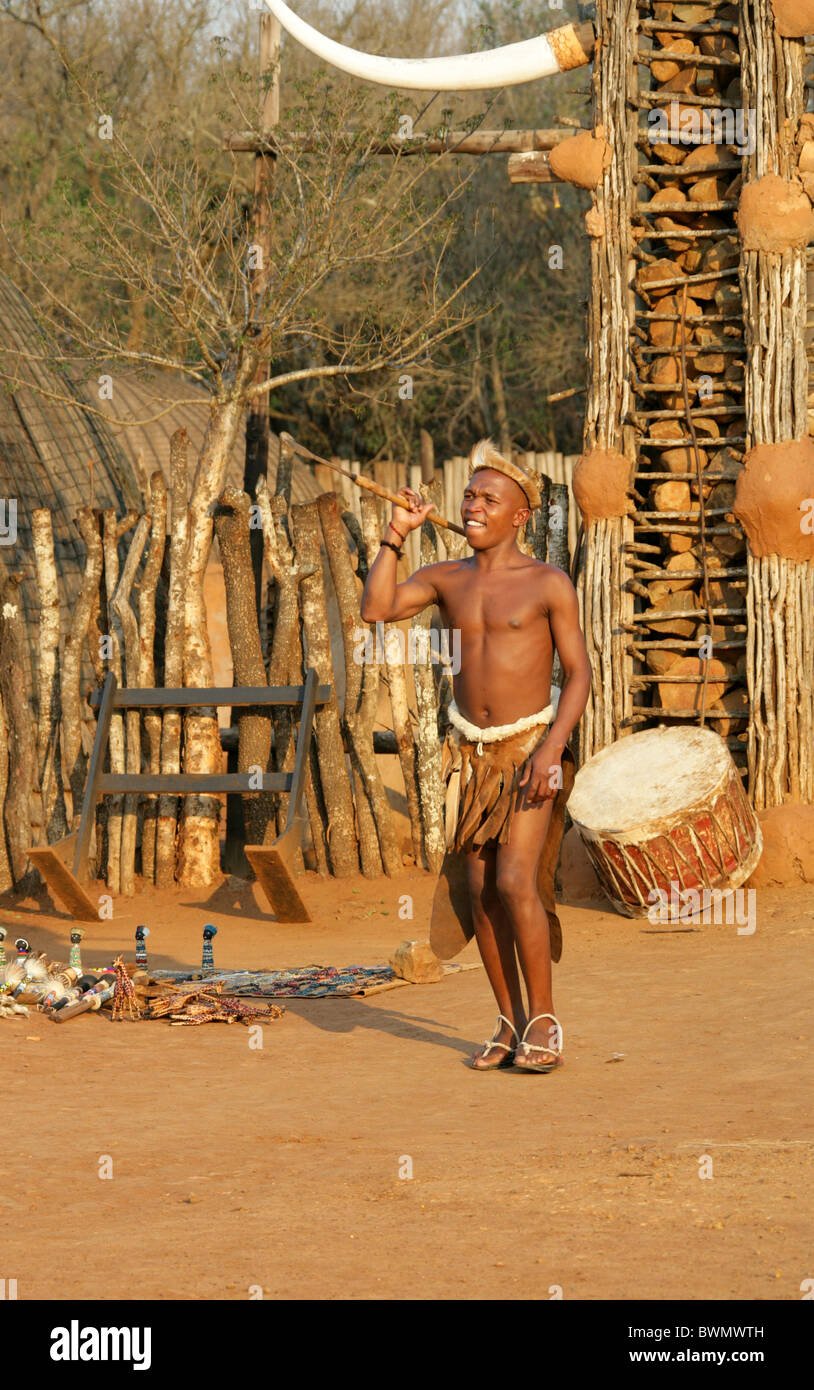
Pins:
x,y
609,398
368,541
342,846
257,419
86,600
128,638
286,665
147,626
232,525
167,825
21,744
112,532
427,741
780,592
49,758
377,836
6,880
427,454
477,142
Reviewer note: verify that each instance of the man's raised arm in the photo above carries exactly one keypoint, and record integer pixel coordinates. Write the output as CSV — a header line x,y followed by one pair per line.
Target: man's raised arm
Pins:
x,y
383,599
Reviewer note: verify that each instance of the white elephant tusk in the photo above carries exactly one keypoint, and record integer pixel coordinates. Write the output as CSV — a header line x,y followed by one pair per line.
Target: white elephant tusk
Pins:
x,y
568,47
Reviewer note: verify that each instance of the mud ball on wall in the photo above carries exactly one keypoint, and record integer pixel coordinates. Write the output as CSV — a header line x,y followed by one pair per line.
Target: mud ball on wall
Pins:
x,y
788,847
773,487
581,159
600,483
794,18
775,214
595,222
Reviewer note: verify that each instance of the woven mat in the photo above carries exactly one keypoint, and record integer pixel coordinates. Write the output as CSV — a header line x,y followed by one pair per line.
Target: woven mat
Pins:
x,y
306,982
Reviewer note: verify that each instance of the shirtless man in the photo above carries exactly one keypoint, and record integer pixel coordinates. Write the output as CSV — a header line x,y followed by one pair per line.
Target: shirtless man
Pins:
x,y
511,611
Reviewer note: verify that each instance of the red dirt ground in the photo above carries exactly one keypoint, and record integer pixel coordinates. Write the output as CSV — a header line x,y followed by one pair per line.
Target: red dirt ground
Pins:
x,y
278,1169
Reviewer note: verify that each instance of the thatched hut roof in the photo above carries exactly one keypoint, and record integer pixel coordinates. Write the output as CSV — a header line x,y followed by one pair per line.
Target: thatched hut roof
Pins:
x,y
147,446
47,450
57,456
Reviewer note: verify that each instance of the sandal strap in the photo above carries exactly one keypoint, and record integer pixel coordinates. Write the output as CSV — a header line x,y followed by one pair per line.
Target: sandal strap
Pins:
x,y
490,1042
556,1050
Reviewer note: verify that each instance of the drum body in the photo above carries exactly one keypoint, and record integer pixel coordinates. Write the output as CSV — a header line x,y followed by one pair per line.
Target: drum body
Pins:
x,y
664,812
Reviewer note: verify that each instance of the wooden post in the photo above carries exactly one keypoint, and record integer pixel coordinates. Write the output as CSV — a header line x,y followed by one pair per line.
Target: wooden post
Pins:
x,y
395,665
6,880
342,846
540,521
254,729
147,626
127,626
112,532
113,805
21,746
361,699
286,664
257,417
356,680
49,756
87,524
166,827
780,595
427,740
285,657
609,398
427,453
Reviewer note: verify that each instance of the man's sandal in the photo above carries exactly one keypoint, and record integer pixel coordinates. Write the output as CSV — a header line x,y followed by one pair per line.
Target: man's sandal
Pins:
x,y
508,1060
527,1048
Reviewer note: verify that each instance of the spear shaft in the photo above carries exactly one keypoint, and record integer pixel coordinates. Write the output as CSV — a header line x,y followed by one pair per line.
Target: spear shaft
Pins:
x,y
290,443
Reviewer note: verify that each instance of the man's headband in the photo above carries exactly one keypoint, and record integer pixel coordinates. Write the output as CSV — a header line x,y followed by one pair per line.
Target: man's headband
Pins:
x,y
485,455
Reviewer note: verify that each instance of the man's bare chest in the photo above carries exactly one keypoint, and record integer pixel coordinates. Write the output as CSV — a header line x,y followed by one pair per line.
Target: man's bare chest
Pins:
x,y
493,608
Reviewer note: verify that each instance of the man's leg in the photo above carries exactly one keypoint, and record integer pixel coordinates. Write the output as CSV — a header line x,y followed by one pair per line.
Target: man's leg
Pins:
x,y
516,883
495,940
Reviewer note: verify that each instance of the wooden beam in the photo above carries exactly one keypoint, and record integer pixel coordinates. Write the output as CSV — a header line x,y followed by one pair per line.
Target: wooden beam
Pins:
x,y
384,740
194,783
194,698
532,167
457,141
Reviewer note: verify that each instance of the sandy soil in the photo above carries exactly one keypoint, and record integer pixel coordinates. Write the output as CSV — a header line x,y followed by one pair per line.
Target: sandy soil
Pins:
x,y
279,1168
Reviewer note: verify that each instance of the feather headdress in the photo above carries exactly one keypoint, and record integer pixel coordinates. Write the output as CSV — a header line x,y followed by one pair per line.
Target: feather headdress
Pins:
x,y
485,455
11,975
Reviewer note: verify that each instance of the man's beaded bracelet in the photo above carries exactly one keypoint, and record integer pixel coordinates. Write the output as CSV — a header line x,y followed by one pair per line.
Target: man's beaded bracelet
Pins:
x,y
395,549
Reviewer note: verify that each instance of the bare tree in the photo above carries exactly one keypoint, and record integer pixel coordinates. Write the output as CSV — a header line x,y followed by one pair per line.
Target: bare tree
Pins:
x,y
158,229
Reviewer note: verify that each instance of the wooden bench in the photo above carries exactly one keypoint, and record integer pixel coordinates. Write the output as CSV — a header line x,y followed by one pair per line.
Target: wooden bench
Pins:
x,y
64,865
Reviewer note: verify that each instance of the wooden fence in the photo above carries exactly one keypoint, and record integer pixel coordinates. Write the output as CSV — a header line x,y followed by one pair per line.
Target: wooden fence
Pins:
x,y
391,683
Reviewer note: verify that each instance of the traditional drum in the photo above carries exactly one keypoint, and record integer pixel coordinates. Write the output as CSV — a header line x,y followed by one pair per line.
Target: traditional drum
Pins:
x,y
664,811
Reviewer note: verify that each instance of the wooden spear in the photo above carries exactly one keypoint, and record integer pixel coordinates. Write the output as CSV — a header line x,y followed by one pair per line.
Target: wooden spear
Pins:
x,y
290,443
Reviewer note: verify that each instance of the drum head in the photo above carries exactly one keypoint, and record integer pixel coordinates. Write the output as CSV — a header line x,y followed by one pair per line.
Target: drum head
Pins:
x,y
649,777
